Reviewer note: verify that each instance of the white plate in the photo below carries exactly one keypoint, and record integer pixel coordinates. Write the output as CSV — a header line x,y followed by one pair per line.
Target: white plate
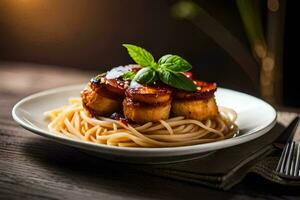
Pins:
x,y
255,118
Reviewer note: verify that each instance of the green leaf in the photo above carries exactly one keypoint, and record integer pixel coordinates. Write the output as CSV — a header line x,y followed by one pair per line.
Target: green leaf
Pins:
x,y
129,75
139,55
177,80
145,76
174,63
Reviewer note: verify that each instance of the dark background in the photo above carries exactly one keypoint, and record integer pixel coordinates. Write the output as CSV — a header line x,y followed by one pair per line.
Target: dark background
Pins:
x,y
88,34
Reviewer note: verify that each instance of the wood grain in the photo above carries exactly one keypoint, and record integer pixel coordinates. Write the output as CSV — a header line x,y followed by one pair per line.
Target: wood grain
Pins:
x,y
32,167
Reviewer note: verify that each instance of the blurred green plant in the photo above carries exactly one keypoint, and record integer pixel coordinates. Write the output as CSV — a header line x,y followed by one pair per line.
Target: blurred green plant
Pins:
x,y
251,17
189,10
185,10
258,65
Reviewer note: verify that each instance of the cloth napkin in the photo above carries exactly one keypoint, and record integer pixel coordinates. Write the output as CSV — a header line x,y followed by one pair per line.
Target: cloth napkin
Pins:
x,y
225,168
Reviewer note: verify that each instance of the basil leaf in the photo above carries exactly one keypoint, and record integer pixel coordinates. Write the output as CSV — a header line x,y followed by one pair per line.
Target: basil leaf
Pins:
x,y
177,80
139,55
128,75
145,76
174,63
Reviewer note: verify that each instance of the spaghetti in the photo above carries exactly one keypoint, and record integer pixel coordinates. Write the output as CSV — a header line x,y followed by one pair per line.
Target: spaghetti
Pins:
x,y
73,121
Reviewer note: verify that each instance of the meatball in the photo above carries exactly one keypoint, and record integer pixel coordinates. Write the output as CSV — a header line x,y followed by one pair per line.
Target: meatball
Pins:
x,y
199,105
147,103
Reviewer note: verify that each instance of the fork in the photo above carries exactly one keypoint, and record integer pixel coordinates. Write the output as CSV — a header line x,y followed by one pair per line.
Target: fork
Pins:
x,y
289,162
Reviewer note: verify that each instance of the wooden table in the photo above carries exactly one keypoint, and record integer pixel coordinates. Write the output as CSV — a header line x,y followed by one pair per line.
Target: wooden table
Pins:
x,y
32,167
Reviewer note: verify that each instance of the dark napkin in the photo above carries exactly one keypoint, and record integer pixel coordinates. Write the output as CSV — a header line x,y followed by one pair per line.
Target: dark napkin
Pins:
x,y
225,168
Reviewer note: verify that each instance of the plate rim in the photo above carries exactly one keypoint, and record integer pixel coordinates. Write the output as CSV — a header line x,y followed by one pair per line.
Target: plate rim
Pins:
x,y
140,151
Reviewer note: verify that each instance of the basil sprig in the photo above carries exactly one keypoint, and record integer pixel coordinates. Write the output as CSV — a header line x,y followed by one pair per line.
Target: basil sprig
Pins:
x,y
169,69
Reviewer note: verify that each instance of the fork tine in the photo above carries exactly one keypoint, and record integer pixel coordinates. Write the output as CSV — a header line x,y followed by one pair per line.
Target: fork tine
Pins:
x,y
293,159
288,163
284,158
296,171
279,165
